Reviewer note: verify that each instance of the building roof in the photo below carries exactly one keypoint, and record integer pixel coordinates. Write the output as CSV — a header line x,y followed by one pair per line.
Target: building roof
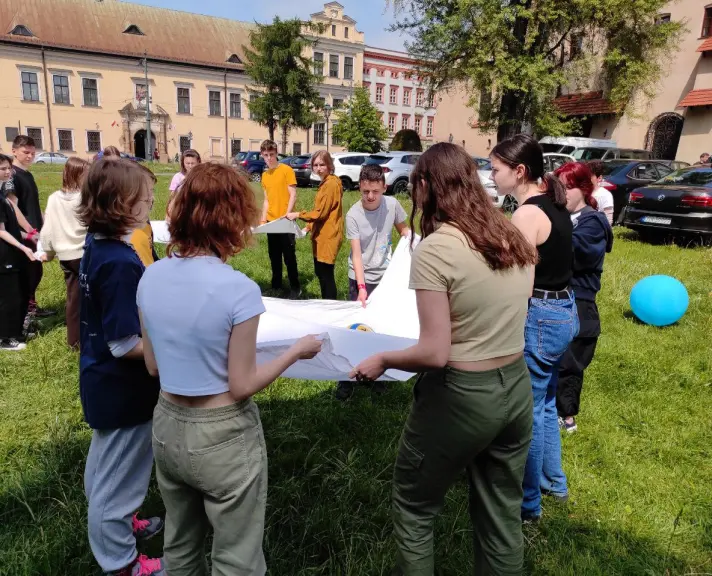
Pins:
x,y
696,98
583,104
706,46
98,27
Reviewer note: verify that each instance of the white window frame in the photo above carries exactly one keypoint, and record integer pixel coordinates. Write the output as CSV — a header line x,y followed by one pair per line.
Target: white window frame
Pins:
x,y
97,77
338,66
235,140
429,125
242,108
418,124
393,95
69,86
212,139
190,98
86,138
71,131
136,84
42,135
376,96
33,70
221,91
353,66
394,119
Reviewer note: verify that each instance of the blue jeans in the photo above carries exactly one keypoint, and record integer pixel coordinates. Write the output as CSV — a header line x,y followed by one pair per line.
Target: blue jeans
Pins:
x,y
550,327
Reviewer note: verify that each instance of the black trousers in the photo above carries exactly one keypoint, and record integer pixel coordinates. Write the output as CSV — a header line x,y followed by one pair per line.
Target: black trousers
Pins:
x,y
577,358
71,279
325,273
33,271
14,299
281,246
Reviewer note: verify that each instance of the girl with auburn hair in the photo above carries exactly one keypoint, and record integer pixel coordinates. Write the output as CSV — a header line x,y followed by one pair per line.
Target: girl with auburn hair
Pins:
x,y
552,323
472,403
592,239
118,394
325,223
200,320
63,236
188,160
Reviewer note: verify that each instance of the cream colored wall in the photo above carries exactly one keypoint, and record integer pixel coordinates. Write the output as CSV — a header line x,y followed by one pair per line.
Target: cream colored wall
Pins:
x,y
454,118
116,79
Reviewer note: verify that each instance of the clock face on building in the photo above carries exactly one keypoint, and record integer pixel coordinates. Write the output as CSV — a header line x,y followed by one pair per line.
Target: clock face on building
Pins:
x,y
334,13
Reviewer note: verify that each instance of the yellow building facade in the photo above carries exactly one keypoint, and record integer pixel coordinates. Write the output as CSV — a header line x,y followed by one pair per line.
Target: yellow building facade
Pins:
x,y
78,94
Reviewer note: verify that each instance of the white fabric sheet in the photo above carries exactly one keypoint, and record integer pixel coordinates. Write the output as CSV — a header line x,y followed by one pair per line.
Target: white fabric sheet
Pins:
x,y
280,226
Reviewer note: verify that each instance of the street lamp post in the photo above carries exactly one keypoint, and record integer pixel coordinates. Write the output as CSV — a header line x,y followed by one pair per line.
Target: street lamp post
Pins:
x,y
327,114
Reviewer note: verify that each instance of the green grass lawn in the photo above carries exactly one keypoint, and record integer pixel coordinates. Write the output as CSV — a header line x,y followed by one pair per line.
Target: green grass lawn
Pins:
x,y
640,467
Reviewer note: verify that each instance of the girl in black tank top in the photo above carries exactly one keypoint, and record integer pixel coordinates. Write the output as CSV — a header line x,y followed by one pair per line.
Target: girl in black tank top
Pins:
x,y
552,322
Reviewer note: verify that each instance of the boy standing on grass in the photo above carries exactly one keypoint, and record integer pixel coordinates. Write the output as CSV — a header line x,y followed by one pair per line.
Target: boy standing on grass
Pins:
x,y
369,225
28,201
280,187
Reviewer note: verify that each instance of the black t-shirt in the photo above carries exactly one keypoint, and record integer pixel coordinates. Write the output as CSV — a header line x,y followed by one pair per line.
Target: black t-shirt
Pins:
x,y
11,259
28,196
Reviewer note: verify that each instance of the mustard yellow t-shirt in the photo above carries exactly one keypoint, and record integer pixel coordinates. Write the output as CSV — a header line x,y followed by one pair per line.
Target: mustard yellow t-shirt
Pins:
x,y
276,184
142,241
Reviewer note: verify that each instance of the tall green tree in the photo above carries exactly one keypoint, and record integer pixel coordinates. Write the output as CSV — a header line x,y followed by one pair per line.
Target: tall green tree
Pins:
x,y
284,91
515,55
359,125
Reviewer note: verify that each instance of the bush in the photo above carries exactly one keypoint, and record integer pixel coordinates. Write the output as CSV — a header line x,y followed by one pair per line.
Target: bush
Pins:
x,y
406,141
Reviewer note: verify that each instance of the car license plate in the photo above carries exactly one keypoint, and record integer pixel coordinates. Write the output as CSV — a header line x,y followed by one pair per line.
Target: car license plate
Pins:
x,y
655,220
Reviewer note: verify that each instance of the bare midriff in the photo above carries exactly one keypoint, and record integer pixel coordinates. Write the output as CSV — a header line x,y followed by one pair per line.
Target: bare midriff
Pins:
x,y
211,401
484,365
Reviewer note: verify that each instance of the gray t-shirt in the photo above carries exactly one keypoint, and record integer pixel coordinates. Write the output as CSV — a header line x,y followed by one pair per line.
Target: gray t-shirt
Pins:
x,y
373,228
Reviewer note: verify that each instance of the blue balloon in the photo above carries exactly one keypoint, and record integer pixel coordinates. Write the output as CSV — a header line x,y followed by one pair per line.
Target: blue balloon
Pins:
x,y
659,300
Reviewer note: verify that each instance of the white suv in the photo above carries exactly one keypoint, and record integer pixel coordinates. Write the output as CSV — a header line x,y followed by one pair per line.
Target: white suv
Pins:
x,y
347,166
396,167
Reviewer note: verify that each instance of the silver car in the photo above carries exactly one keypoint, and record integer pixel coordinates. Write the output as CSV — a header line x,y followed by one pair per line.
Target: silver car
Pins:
x,y
50,158
396,167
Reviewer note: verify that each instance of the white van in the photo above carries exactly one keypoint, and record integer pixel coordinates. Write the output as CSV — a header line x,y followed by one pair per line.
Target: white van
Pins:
x,y
579,148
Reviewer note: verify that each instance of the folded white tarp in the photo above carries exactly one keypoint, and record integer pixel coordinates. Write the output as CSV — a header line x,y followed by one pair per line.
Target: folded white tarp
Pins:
x,y
391,314
280,226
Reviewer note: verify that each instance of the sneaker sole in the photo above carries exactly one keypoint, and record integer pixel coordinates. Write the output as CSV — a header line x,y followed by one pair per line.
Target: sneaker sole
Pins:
x,y
153,534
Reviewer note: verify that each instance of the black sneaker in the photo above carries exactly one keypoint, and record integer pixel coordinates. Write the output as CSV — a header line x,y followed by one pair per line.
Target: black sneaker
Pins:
x,y
295,294
44,313
344,390
12,345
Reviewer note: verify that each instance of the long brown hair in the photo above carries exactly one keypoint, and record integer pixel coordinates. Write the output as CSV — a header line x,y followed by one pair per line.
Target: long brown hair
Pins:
x,y
447,189
74,172
212,211
525,150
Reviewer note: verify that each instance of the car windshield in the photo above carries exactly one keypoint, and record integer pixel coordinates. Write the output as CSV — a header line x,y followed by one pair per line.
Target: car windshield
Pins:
x,y
482,163
588,153
241,155
378,160
689,177
613,167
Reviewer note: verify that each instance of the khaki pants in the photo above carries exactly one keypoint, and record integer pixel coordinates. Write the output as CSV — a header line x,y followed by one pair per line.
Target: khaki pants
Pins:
x,y
480,422
211,466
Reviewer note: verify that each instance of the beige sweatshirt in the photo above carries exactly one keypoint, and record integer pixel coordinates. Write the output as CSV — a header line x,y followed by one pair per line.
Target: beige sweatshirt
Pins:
x,y
62,234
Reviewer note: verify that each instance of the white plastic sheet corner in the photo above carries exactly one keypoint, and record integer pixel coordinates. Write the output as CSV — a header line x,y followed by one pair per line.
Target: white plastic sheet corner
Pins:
x,y
279,226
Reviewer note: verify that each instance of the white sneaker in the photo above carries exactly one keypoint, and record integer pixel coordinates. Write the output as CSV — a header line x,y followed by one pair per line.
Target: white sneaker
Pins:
x,y
11,344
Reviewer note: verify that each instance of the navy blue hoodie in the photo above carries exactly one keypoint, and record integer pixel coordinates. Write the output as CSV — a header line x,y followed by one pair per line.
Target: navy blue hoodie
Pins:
x,y
593,238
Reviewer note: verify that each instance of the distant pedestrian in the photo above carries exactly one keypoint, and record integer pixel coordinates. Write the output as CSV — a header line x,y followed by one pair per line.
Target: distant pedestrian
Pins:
x,y
704,158
604,198
188,160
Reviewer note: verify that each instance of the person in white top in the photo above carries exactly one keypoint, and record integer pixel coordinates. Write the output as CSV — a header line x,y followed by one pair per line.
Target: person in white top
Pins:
x,y
603,197
63,236
188,160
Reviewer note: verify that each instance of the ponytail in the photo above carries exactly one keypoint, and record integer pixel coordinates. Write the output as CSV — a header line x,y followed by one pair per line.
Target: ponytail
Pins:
x,y
555,189
591,201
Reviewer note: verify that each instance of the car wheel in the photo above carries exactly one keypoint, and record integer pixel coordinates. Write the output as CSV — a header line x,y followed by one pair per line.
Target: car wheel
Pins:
x,y
400,187
256,176
346,183
40,162
509,204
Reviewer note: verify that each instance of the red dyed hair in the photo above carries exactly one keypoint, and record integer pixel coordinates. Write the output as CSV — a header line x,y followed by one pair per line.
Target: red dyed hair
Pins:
x,y
578,175
212,212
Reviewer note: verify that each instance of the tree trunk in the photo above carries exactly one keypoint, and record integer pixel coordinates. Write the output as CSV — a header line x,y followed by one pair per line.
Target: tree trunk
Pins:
x,y
271,126
285,133
510,113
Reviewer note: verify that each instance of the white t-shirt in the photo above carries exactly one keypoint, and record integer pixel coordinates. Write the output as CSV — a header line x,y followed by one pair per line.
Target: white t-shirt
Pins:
x,y
604,198
176,181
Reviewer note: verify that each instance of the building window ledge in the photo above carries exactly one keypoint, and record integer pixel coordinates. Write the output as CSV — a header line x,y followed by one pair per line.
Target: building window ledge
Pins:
x,y
184,113
32,101
215,115
91,106
63,105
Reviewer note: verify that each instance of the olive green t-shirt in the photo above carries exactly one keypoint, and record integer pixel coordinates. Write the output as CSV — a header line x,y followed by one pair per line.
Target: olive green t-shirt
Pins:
x,y
488,308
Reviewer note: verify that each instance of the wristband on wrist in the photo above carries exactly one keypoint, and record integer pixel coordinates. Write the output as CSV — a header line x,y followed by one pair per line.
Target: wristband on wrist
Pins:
x,y
32,233
361,286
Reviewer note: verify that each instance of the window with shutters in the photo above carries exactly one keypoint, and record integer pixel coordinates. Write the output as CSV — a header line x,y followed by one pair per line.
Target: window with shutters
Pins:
x,y
30,87
61,89
36,135
66,140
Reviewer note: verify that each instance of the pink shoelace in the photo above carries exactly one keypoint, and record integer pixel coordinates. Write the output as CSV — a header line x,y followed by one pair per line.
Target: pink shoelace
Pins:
x,y
138,524
147,566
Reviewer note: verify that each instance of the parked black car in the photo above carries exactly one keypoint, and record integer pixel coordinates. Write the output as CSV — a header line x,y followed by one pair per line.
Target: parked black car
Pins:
x,y
302,169
251,163
623,176
678,203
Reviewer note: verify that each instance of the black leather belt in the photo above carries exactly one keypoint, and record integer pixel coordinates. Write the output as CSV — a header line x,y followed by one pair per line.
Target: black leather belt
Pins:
x,y
565,294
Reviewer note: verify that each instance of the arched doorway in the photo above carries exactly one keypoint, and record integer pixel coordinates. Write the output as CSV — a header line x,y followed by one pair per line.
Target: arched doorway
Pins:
x,y
140,143
664,135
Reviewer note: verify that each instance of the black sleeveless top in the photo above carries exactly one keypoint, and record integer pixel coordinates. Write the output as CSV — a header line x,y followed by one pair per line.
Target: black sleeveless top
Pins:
x,y
553,271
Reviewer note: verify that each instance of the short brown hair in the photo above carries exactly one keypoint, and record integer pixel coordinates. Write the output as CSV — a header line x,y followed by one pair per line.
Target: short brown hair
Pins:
x,y
74,172
326,157
372,173
147,172
111,151
5,159
22,140
190,153
268,146
596,167
112,188
212,211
